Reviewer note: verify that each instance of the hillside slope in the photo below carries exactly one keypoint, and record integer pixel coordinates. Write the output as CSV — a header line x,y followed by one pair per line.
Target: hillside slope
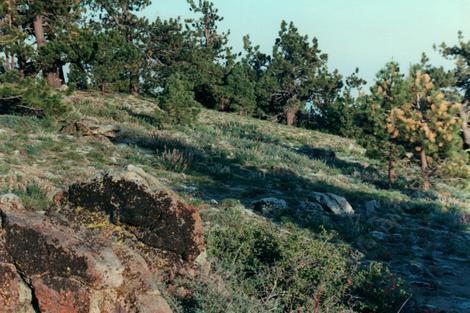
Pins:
x,y
223,164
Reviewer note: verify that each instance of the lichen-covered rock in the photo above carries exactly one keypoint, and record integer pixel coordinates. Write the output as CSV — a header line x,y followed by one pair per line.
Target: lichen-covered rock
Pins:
x,y
70,268
332,203
91,128
138,201
15,295
269,206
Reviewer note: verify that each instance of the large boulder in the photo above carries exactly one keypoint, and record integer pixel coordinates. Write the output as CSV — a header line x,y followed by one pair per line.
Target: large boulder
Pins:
x,y
132,198
51,266
332,203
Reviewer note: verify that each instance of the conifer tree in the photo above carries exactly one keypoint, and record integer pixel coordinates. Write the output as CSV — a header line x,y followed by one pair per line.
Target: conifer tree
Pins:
x,y
176,103
388,92
112,17
461,54
166,51
296,75
209,58
427,124
205,27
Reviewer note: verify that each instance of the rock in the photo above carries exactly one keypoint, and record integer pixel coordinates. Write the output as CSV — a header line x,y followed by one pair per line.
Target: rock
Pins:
x,y
15,295
70,268
332,203
154,214
269,206
91,128
311,213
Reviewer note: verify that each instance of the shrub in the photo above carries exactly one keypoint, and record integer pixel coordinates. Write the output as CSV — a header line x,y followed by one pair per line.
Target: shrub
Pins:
x,y
177,103
28,96
174,160
295,271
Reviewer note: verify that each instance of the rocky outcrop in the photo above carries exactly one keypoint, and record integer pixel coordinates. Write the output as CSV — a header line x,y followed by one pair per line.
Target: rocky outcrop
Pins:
x,y
91,128
49,265
136,200
332,203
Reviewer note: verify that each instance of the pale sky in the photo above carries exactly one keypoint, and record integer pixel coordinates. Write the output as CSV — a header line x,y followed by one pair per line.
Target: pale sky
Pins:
x,y
354,33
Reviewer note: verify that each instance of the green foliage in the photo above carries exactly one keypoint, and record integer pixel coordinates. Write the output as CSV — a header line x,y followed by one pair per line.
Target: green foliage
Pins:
x,y
166,50
297,73
78,79
295,271
177,103
428,125
239,90
28,96
378,290
114,56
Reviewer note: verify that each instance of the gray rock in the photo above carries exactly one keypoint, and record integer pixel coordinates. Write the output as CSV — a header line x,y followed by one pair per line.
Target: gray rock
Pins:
x,y
309,213
268,206
332,203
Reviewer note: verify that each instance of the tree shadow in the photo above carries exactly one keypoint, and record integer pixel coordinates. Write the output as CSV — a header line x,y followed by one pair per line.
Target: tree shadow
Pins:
x,y
148,118
365,173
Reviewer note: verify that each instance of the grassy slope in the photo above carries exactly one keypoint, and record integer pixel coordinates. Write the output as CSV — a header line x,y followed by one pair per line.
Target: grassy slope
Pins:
x,y
235,160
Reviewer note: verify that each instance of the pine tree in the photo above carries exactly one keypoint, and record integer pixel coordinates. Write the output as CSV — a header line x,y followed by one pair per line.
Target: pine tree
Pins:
x,y
209,56
166,50
428,125
176,103
112,17
241,89
388,92
205,28
461,54
296,75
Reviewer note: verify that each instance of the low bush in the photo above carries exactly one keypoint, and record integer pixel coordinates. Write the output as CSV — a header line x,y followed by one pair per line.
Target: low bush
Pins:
x,y
293,271
28,96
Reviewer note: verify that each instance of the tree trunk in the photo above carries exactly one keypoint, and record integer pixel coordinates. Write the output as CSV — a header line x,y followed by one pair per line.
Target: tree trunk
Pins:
x,y
425,171
206,31
134,89
51,75
39,31
53,79
464,115
392,176
6,65
291,114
